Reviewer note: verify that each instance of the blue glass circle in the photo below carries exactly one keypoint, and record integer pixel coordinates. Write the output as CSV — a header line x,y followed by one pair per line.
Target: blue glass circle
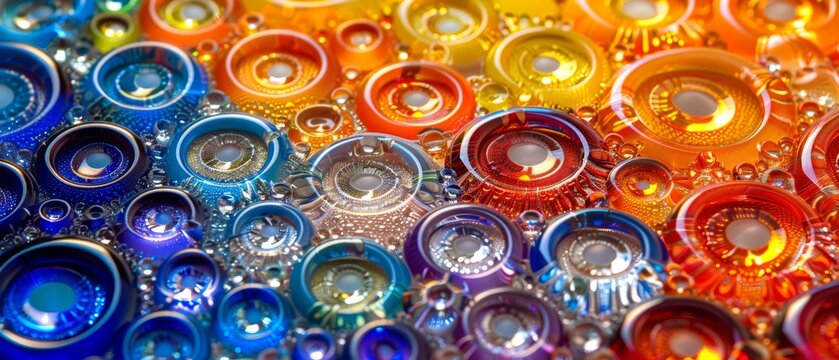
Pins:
x,y
34,95
165,335
144,82
161,221
589,257
264,232
315,343
347,282
91,162
223,154
189,280
38,22
54,215
62,298
251,318
18,194
387,339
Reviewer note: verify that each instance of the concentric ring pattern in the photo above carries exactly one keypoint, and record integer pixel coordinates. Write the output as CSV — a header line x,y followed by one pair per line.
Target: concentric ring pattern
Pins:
x,y
419,179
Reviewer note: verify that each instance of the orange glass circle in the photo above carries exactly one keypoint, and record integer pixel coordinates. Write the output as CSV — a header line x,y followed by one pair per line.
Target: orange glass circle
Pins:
x,y
680,328
749,243
187,22
680,103
404,98
643,187
273,71
641,26
313,15
363,44
742,24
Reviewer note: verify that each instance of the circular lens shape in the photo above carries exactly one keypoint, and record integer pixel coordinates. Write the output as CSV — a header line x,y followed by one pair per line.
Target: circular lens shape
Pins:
x,y
508,323
186,22
645,188
269,233
120,6
18,195
435,306
275,72
223,153
165,335
558,67
54,215
388,339
749,243
639,27
404,98
161,221
320,125
315,344
362,43
680,103
39,22
809,323
112,30
369,178
34,95
816,166
503,158
188,280
344,283
743,25
589,258
93,162
463,27
477,246
143,82
62,297
313,15
253,317
674,327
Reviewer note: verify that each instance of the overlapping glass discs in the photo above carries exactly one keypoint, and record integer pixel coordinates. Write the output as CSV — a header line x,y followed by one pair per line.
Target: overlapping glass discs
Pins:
x,y
419,179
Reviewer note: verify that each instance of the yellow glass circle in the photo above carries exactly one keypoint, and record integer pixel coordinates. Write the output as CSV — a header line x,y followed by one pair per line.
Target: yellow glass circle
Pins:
x,y
559,67
466,28
191,14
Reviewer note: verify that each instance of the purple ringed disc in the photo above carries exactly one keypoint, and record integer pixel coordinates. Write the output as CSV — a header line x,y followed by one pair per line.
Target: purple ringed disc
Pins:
x,y
479,247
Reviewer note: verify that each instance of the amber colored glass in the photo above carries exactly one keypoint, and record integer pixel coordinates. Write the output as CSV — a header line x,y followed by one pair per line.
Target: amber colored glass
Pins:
x,y
749,243
272,71
404,98
742,25
646,188
188,22
465,28
362,44
557,67
638,27
313,15
680,103
680,328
